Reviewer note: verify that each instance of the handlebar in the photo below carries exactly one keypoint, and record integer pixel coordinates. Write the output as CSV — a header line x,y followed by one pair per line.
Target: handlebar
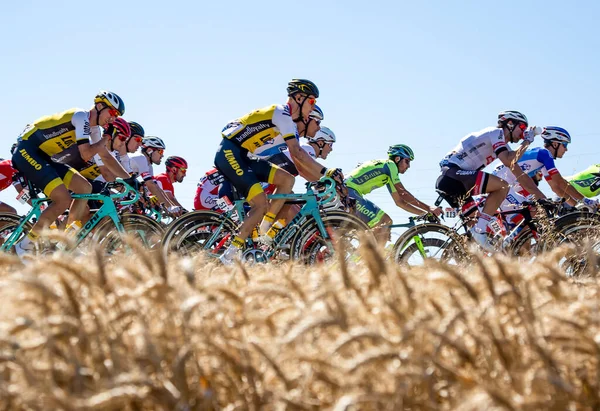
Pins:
x,y
324,189
127,184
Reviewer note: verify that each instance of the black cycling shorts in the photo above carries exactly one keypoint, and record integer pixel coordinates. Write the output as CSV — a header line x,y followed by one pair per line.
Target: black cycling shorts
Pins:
x,y
284,162
245,174
458,186
39,168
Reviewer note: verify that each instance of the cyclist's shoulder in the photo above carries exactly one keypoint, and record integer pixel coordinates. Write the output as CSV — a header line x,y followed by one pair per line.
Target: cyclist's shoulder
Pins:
x,y
61,117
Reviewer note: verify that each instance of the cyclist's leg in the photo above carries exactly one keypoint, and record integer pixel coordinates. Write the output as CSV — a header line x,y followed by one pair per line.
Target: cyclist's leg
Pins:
x,y
47,175
5,208
79,185
372,215
284,183
497,190
233,163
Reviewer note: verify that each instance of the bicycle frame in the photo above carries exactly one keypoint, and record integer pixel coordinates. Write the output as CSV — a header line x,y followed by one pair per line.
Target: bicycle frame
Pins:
x,y
108,209
311,208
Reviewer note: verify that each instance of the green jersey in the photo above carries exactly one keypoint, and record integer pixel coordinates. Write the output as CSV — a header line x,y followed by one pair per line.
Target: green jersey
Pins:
x,y
374,174
583,181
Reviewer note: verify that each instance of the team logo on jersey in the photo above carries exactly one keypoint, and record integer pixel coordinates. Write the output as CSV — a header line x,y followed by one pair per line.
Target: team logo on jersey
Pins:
x,y
233,162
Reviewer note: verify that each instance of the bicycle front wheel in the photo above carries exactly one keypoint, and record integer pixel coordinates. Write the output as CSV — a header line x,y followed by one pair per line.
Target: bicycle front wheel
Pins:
x,y
143,228
311,247
199,231
429,241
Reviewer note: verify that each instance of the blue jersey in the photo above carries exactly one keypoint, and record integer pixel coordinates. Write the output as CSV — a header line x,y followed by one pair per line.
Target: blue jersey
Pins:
x,y
534,160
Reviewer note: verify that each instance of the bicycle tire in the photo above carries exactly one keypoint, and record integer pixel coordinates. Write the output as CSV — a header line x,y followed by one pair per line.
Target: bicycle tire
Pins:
x,y
452,248
142,227
189,233
309,247
8,223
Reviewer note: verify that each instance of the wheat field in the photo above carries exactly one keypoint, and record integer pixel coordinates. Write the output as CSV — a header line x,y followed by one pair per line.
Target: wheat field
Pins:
x,y
139,332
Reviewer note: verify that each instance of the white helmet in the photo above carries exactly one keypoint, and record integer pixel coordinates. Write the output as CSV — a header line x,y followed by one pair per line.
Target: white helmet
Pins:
x,y
507,115
153,142
317,113
553,133
323,134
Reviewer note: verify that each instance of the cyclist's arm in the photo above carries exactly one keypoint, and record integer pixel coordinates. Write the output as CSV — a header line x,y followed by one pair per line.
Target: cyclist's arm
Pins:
x,y
407,201
508,159
172,198
306,165
106,173
113,165
562,188
156,191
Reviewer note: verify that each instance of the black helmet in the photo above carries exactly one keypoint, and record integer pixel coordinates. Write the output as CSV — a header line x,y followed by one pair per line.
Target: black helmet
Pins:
x,y
136,128
302,86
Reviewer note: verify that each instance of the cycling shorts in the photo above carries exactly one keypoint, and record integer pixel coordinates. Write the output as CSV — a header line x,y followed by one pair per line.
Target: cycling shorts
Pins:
x,y
458,186
39,168
366,210
245,174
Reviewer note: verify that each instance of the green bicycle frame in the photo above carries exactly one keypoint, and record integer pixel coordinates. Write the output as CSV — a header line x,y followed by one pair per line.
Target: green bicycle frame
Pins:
x,y
108,209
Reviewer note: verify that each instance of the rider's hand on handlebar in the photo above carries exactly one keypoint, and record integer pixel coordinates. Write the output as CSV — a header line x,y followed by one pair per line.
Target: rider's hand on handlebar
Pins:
x,y
436,211
337,175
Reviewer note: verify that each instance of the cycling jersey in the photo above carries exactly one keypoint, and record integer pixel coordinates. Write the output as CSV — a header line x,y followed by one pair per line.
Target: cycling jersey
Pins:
x,y
56,133
585,182
530,162
477,150
7,172
374,174
121,158
72,157
141,166
261,126
207,192
164,182
283,158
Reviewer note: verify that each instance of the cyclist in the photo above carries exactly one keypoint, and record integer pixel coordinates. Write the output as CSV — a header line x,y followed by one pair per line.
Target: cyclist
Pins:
x,y
119,132
51,135
378,173
556,140
253,130
587,182
462,176
176,169
134,142
153,149
7,174
207,192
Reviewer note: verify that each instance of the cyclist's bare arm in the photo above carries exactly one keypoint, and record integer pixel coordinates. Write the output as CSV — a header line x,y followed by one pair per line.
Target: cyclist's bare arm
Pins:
x,y
307,166
106,173
156,191
562,188
509,159
87,151
172,198
112,163
408,202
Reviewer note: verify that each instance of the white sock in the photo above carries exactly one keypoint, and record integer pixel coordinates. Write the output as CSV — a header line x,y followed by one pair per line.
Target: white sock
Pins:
x,y
482,222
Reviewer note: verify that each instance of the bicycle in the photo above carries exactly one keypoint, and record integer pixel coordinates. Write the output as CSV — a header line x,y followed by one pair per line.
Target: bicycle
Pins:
x,y
310,234
105,223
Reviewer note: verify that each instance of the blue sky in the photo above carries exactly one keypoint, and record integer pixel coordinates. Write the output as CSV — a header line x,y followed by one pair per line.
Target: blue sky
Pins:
x,y
420,73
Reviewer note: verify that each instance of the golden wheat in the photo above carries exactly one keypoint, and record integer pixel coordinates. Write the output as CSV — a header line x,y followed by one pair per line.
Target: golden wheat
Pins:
x,y
140,332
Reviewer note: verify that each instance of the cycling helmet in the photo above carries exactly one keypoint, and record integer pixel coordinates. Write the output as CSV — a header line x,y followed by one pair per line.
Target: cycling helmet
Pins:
x,y
317,114
323,134
302,86
13,148
552,133
177,162
507,115
120,127
153,142
111,100
401,150
136,128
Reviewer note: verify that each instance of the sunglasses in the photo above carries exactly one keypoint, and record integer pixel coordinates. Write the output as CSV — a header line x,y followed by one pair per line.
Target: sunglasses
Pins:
x,y
183,170
564,144
161,151
138,139
113,112
522,126
312,101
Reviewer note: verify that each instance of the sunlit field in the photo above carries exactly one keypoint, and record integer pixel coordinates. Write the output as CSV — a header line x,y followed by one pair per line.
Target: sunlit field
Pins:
x,y
141,333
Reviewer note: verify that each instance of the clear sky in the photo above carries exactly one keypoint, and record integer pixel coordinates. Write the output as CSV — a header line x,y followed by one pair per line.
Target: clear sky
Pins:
x,y
420,73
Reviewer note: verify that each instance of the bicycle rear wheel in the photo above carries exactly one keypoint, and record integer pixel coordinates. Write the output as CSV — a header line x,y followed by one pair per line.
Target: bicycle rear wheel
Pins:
x,y
199,231
310,247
